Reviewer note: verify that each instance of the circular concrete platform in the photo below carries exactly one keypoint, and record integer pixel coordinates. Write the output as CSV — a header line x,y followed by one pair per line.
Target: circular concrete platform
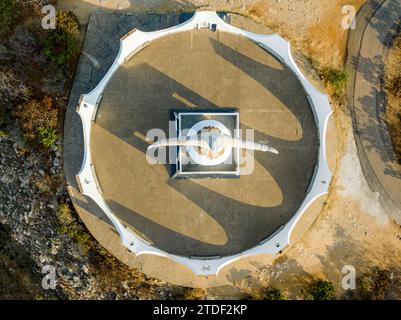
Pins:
x,y
204,70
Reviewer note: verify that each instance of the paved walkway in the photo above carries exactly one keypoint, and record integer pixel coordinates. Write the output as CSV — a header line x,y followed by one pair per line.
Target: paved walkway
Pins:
x,y
377,24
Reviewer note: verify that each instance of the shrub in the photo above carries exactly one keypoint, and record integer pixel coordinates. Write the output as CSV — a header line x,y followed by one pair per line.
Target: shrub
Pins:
x,y
8,10
375,284
67,22
38,120
60,47
37,5
2,115
335,79
12,88
321,290
273,294
64,214
186,293
47,136
24,45
70,226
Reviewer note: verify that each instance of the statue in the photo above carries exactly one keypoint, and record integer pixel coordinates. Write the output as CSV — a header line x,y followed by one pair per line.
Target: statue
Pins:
x,y
212,143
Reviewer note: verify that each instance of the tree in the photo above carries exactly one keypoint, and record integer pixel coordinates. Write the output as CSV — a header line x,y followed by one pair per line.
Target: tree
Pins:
x,y
8,9
321,290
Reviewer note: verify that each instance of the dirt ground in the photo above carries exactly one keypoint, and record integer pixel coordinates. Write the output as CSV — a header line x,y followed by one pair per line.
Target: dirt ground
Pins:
x,y
352,229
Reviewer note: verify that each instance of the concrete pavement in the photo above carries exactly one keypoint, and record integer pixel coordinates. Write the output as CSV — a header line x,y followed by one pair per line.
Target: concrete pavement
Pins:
x,y
377,23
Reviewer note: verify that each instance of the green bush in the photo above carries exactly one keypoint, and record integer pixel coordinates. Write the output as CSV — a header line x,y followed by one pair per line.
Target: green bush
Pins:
x,y
321,290
60,47
273,294
67,22
64,214
47,136
336,79
8,10
70,227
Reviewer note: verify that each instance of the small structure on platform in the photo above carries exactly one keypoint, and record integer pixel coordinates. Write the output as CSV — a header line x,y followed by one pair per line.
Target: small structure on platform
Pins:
x,y
207,144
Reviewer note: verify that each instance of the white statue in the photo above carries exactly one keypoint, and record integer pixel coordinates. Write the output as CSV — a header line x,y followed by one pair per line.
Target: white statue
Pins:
x,y
212,143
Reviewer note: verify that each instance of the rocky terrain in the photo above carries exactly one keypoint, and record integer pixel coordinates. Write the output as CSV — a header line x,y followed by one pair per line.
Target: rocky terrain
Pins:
x,y
38,226
30,192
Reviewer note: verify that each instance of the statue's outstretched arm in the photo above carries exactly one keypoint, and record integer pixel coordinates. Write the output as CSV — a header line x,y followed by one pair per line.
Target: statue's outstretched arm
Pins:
x,y
250,145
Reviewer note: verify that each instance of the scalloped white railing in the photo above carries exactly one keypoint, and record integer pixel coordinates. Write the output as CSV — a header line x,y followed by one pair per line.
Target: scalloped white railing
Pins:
x,y
136,40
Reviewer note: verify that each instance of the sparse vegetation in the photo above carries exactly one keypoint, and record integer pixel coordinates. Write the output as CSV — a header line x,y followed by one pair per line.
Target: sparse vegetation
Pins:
x,y
60,47
273,294
18,279
375,284
2,115
12,88
269,293
335,80
70,226
38,121
394,86
47,136
320,290
258,10
37,4
67,22
8,10
187,294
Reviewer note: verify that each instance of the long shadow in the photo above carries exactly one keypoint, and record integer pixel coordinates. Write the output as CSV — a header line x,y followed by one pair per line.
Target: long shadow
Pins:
x,y
370,121
380,23
280,82
20,277
348,251
374,121
102,43
294,98
245,224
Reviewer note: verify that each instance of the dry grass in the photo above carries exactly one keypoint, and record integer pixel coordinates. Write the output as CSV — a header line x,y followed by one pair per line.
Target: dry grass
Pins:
x,y
12,88
393,88
258,9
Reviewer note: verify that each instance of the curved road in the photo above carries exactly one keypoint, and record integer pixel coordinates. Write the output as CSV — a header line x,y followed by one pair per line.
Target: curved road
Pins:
x,y
377,23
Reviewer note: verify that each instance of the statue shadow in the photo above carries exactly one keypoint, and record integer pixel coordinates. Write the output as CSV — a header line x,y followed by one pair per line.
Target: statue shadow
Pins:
x,y
244,224
148,96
